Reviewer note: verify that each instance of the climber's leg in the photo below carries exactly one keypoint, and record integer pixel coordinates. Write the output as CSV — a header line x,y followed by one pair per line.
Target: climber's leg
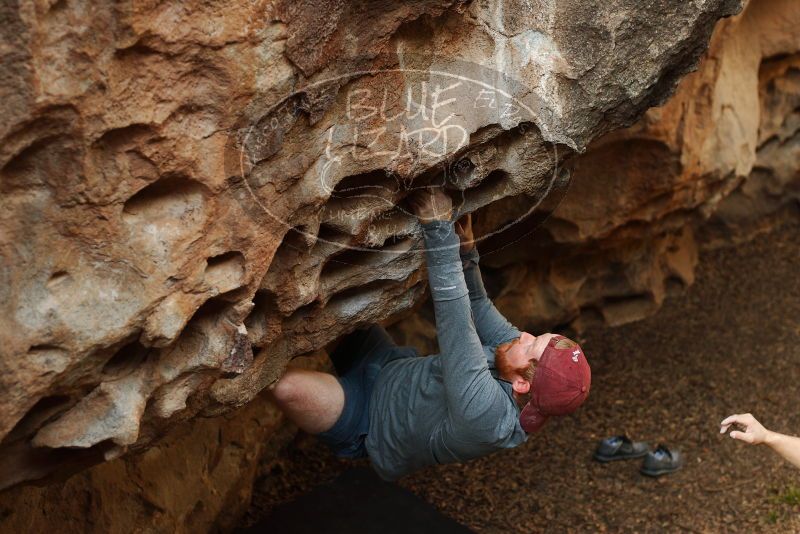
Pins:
x,y
337,409
310,399
359,345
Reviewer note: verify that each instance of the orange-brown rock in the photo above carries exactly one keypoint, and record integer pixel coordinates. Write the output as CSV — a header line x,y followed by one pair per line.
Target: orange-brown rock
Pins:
x,y
140,268
715,163
195,193
199,477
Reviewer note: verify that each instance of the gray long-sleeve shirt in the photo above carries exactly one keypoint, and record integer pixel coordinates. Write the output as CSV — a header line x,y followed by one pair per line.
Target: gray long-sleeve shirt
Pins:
x,y
448,407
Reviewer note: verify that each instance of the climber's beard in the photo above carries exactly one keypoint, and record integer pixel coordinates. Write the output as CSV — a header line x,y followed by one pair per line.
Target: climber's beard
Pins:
x,y
506,372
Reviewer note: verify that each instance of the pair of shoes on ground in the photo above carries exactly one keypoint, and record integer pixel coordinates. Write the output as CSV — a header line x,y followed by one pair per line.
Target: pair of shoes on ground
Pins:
x,y
659,462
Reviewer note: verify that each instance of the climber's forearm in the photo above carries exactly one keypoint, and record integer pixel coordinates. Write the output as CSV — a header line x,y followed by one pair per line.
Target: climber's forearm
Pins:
x,y
786,446
492,327
465,373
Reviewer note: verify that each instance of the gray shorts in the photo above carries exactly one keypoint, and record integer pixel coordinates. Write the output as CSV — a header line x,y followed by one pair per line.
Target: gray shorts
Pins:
x,y
369,350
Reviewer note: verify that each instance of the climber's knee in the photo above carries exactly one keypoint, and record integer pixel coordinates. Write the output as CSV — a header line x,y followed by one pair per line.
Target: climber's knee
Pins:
x,y
312,400
289,388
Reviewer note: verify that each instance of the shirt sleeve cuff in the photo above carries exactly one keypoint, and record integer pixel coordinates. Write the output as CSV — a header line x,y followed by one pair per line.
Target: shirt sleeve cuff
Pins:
x,y
444,265
441,242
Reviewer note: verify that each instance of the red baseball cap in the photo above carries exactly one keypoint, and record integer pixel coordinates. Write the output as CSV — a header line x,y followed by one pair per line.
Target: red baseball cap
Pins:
x,y
560,385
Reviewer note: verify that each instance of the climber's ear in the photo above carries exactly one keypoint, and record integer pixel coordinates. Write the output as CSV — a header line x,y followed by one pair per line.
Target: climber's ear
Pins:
x,y
520,386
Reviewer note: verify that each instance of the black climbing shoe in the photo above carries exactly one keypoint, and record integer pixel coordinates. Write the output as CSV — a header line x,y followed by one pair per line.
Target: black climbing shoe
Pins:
x,y
619,448
661,461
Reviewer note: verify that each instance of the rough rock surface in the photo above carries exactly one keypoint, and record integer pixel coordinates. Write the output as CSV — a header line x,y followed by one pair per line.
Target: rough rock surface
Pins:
x,y
719,160
199,477
724,146
183,205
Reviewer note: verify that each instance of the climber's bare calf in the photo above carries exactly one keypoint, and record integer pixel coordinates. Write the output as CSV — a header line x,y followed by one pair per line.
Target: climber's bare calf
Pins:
x,y
310,399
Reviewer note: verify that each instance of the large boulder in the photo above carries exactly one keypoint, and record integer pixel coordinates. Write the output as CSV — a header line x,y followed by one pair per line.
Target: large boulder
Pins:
x,y
716,163
194,193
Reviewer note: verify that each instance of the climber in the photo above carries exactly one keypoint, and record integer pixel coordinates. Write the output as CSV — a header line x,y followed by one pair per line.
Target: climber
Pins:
x,y
490,386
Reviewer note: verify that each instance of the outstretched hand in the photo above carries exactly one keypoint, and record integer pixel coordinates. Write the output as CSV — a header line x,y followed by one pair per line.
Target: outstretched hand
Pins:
x,y
432,204
464,231
753,433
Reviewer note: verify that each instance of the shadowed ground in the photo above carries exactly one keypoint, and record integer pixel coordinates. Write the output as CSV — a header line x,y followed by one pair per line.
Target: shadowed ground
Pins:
x,y
358,501
727,345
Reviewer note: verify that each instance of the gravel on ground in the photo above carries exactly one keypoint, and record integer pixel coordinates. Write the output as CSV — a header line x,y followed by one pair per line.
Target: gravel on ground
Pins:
x,y
728,344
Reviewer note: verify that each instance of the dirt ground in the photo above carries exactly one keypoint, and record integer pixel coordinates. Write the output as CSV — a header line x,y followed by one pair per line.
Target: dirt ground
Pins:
x,y
729,344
